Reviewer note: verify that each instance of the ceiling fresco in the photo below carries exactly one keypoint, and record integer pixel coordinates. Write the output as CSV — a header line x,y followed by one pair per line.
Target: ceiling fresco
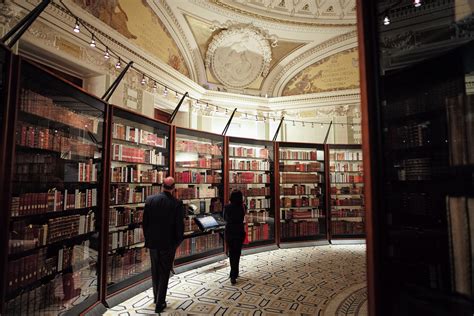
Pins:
x,y
337,72
135,20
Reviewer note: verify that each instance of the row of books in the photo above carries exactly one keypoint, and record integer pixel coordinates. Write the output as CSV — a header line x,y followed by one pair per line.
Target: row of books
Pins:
x,y
196,147
199,244
139,155
248,152
259,232
52,201
347,228
413,134
301,155
44,263
257,216
260,165
137,135
121,265
341,212
302,167
81,171
40,105
208,176
24,237
121,216
338,189
347,201
345,155
299,229
190,225
49,168
251,191
55,140
124,194
137,174
297,189
249,177
346,166
123,238
299,202
196,193
415,169
302,214
214,163
346,178
300,178
258,203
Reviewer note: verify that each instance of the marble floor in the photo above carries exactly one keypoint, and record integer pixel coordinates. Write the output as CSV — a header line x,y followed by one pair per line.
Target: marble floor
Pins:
x,y
322,280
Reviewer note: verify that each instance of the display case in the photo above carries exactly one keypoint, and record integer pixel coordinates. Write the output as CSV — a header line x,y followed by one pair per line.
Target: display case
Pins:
x,y
303,199
346,185
54,196
251,170
199,177
140,160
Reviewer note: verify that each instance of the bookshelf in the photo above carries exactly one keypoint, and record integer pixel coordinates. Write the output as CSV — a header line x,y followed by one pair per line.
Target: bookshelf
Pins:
x,y
346,185
140,160
199,175
302,204
251,170
54,196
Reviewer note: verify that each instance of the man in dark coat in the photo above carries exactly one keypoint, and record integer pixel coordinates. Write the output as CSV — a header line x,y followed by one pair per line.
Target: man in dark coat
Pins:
x,y
163,228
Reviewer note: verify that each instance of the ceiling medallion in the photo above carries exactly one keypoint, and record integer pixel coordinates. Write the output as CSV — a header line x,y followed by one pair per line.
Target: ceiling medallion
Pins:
x,y
238,55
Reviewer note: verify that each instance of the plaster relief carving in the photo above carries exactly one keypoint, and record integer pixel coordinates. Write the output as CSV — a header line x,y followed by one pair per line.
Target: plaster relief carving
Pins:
x,y
237,56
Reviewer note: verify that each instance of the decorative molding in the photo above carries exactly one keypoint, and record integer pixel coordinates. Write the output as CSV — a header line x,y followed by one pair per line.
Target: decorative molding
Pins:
x,y
239,55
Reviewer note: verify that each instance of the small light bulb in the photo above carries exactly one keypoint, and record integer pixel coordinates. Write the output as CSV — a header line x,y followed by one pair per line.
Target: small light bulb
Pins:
x,y
118,65
92,44
77,28
143,80
417,3
106,54
386,20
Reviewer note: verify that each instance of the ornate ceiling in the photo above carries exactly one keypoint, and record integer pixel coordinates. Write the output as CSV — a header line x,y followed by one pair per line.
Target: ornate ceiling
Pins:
x,y
253,47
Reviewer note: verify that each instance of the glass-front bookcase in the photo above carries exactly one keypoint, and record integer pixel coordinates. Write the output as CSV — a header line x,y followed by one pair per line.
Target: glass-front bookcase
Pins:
x,y
55,201
302,192
251,170
140,160
199,180
346,185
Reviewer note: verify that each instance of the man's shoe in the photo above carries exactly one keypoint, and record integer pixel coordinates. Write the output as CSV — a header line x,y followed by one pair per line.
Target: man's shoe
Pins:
x,y
233,281
160,307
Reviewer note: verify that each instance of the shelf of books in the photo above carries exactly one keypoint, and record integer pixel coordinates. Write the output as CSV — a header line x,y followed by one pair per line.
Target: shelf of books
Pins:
x,y
251,170
347,217
55,203
199,181
140,160
302,209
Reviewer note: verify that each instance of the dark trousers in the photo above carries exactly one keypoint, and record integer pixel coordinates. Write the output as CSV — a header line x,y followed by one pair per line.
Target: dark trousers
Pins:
x,y
161,265
235,250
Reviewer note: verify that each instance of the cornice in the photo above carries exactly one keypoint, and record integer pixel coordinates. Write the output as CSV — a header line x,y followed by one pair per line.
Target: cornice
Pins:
x,y
269,23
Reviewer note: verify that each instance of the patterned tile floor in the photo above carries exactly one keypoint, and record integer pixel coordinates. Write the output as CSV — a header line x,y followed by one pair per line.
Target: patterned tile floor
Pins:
x,y
322,280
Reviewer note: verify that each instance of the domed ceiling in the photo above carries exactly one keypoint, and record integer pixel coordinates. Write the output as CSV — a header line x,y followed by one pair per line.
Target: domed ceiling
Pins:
x,y
254,47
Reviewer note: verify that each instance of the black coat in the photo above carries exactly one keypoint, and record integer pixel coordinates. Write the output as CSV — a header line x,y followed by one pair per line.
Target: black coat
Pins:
x,y
234,217
163,224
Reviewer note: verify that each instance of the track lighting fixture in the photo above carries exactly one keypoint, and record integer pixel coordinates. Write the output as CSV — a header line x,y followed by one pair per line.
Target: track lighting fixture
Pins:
x,y
118,65
92,44
106,54
77,28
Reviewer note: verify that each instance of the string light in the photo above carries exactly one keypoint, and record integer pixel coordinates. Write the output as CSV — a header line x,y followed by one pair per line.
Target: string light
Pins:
x,y
118,65
92,44
77,28
106,54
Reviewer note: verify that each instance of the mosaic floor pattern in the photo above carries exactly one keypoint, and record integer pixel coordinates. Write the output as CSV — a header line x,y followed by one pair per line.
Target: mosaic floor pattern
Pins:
x,y
322,280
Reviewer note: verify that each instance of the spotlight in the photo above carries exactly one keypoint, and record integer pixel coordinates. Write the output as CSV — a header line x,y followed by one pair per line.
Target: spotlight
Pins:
x,y
386,20
77,28
118,65
417,3
92,44
143,79
106,54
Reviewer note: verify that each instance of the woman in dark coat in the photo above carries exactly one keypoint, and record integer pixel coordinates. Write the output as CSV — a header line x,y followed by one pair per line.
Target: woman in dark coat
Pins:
x,y
234,214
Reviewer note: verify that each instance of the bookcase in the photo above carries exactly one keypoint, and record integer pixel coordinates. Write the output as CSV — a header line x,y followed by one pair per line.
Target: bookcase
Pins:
x,y
139,162
199,176
251,170
346,185
303,197
53,196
